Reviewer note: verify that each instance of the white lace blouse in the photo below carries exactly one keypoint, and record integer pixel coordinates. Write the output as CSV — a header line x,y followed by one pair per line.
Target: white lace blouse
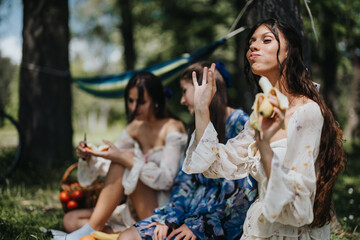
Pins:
x,y
284,207
156,169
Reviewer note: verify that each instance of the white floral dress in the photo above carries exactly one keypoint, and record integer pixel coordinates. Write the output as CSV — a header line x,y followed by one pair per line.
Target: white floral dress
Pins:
x,y
284,208
156,169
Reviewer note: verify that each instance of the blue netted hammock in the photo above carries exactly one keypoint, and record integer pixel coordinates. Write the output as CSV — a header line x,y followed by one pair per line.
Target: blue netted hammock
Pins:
x,y
113,86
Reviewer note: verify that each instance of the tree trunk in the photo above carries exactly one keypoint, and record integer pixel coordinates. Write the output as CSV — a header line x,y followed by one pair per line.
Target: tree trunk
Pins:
x,y
329,59
45,93
246,91
352,129
127,32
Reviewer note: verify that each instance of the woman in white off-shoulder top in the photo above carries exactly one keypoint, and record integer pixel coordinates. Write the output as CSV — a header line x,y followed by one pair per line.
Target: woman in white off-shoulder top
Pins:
x,y
295,167
141,164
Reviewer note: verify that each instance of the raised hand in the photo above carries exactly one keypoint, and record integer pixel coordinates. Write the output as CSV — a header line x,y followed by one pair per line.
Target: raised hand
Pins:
x,y
204,93
183,232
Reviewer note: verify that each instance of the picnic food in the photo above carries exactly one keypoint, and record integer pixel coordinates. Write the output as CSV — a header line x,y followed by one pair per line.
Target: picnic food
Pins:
x,y
72,205
64,196
87,237
104,148
262,104
77,194
104,236
72,199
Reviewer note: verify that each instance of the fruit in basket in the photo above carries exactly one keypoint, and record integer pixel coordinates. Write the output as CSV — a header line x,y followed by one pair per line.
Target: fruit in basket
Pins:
x,y
87,237
64,196
72,205
77,194
74,185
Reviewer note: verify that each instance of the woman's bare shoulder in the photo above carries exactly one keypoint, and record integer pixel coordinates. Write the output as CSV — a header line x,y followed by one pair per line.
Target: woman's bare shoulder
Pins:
x,y
173,125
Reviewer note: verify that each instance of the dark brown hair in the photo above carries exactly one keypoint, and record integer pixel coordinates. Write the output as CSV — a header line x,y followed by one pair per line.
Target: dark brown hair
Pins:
x,y
297,81
154,87
218,104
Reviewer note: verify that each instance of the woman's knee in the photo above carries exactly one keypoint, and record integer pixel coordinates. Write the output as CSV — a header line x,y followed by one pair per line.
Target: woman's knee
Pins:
x,y
74,220
129,234
70,220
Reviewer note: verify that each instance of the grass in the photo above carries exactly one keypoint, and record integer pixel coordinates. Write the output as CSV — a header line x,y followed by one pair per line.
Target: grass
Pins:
x,y
29,200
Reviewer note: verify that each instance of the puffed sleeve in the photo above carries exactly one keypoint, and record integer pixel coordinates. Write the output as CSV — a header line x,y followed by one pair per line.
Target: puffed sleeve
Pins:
x,y
291,187
160,174
216,160
89,171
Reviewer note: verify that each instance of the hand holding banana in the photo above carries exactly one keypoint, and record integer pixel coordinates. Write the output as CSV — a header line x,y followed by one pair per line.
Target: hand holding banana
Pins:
x,y
262,104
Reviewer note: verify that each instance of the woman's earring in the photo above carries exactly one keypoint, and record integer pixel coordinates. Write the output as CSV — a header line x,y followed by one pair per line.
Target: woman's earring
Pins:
x,y
156,105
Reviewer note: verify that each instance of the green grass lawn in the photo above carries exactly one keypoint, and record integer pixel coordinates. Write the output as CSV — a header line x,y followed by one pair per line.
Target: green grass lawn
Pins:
x,y
29,200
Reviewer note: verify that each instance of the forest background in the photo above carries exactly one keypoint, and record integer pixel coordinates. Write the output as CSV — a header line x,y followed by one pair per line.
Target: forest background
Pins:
x,y
121,35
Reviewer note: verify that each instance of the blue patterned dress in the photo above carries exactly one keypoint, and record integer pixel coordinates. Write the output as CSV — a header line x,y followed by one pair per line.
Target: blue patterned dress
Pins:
x,y
210,208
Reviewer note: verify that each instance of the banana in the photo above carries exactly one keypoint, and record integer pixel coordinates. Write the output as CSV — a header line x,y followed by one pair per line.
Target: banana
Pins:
x,y
104,236
265,108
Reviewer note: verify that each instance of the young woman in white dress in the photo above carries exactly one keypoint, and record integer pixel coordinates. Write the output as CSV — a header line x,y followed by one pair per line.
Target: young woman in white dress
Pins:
x,y
295,167
141,164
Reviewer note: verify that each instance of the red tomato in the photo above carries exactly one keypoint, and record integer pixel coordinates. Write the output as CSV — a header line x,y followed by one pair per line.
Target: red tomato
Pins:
x,y
72,205
64,196
74,185
77,194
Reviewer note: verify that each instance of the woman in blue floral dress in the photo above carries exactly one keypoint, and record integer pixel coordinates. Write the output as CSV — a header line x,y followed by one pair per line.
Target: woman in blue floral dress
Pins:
x,y
202,208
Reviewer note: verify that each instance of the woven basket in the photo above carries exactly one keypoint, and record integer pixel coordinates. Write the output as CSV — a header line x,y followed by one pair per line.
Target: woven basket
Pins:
x,y
90,193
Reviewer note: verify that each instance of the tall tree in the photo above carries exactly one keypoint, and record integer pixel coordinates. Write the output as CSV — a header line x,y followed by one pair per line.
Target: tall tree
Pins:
x,y
45,95
352,129
127,32
328,54
7,70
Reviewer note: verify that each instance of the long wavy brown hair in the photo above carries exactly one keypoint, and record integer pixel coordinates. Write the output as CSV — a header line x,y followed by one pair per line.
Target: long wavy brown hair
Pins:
x,y
218,104
331,158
